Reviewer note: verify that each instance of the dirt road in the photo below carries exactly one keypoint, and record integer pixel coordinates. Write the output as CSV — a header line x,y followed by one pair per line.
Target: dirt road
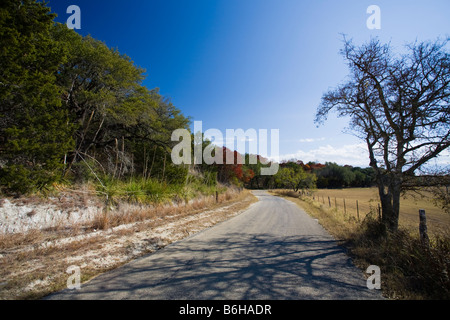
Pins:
x,y
272,251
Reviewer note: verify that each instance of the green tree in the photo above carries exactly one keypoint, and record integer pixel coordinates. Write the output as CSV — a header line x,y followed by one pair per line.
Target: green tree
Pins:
x,y
363,177
71,106
35,133
126,126
335,176
102,91
295,178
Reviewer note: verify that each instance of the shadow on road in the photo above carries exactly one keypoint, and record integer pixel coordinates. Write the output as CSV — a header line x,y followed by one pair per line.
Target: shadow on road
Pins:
x,y
236,266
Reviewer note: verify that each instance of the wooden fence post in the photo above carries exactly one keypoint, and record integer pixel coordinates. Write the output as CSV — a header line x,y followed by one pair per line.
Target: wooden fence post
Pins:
x,y
357,209
329,202
423,229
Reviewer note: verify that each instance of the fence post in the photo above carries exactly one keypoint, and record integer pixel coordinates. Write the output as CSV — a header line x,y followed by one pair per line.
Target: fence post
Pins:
x,y
357,209
379,212
217,196
423,228
329,202
335,203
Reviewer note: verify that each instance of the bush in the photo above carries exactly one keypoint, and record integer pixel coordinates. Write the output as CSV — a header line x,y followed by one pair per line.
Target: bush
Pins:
x,y
153,191
18,179
410,270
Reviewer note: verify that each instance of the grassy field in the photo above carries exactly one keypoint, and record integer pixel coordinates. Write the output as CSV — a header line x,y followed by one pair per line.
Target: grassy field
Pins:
x,y
368,200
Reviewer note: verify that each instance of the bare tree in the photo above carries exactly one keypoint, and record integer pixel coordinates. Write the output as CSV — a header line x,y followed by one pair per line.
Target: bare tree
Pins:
x,y
399,105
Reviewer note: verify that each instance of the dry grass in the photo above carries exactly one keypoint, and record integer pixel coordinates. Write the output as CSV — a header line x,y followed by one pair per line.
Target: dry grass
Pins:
x,y
438,221
34,264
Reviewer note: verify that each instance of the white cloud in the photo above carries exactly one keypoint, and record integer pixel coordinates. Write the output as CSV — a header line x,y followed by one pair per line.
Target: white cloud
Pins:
x,y
309,140
351,154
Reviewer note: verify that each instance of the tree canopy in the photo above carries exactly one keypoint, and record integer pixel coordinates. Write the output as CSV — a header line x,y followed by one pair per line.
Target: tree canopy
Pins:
x,y
69,101
399,105
35,131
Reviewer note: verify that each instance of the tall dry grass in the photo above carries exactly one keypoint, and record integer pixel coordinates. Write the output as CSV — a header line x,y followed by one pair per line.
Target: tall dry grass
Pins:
x,y
126,212
368,201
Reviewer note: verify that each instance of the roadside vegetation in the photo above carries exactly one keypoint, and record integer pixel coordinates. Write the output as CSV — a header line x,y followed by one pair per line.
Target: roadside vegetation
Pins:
x,y
409,269
76,112
85,149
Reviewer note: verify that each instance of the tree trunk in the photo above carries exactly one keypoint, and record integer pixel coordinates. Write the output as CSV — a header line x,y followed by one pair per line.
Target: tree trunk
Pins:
x,y
164,166
390,203
153,162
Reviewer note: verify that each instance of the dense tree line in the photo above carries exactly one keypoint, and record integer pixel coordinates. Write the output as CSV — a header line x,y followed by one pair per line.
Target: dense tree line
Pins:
x,y
71,107
296,175
336,176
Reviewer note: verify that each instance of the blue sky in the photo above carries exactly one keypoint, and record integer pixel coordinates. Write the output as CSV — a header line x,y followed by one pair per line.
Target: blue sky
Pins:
x,y
261,64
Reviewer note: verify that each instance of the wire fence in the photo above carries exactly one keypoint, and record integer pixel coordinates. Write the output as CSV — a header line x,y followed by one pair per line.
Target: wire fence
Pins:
x,y
349,207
